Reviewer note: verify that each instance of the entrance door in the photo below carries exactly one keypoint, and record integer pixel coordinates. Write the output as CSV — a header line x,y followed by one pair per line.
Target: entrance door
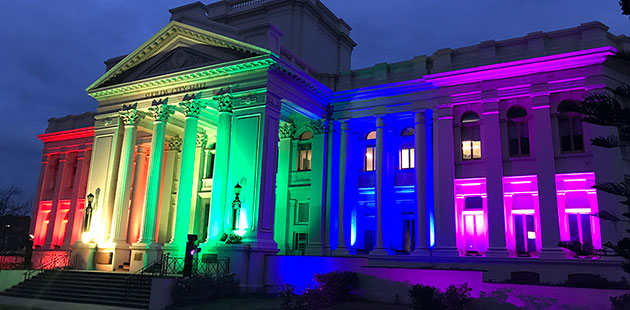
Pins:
x,y
409,238
525,234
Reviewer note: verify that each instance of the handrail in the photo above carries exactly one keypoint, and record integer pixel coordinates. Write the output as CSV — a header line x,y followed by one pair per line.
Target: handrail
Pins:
x,y
57,262
133,280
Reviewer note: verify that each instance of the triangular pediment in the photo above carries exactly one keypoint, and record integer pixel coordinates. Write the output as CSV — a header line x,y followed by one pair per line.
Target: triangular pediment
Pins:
x,y
176,47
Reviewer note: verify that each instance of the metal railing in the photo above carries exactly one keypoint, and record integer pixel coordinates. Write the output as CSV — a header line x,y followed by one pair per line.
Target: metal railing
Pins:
x,y
58,260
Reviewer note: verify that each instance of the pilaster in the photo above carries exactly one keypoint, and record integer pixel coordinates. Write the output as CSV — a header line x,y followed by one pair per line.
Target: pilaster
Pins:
x,y
344,186
381,157
493,164
281,227
318,190
420,150
53,226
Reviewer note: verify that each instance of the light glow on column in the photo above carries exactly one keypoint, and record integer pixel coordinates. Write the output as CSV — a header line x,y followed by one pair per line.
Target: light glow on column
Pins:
x,y
520,199
578,199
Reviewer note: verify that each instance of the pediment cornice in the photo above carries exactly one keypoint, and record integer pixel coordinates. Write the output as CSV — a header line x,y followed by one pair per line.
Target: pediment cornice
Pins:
x,y
170,33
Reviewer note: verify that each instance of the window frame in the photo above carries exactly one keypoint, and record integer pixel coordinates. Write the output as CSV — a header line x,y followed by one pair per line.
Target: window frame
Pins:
x,y
520,125
573,120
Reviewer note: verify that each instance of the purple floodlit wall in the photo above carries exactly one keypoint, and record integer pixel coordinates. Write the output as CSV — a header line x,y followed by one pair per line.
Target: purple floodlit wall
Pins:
x,y
565,297
392,284
578,199
520,197
472,221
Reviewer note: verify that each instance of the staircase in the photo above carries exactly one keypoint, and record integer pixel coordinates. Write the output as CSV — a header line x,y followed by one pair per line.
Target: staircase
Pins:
x,y
104,288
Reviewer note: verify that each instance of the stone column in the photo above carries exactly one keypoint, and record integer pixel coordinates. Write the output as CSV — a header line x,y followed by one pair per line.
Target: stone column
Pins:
x,y
281,227
420,147
195,203
130,117
219,201
493,161
445,198
332,183
316,206
80,175
342,249
167,215
138,192
381,157
191,107
161,112
546,170
54,209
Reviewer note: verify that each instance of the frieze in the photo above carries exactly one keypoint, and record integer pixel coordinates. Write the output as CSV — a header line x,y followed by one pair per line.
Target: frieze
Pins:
x,y
176,90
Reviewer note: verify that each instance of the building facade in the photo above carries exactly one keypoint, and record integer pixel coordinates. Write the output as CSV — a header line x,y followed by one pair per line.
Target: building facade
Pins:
x,y
243,118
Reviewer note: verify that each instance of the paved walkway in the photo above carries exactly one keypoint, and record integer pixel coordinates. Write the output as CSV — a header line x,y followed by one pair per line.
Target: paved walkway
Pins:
x,y
16,303
269,303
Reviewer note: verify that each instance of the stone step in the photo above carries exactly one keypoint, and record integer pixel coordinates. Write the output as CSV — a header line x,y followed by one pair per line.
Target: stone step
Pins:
x,y
132,303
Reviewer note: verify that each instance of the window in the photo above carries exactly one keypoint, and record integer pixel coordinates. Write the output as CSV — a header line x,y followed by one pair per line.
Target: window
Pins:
x,y
570,127
471,136
302,213
578,210
406,156
304,152
518,132
299,241
369,163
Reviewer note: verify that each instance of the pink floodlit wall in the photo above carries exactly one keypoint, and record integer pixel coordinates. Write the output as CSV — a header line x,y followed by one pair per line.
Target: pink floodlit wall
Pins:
x,y
471,224
576,196
520,199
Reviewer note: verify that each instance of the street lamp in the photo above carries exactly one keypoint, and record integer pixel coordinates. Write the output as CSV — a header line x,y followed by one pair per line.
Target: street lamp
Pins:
x,y
236,207
87,219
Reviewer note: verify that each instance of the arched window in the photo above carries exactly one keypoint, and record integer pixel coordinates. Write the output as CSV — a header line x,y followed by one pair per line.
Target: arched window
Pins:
x,y
304,151
570,127
518,132
406,156
369,162
471,136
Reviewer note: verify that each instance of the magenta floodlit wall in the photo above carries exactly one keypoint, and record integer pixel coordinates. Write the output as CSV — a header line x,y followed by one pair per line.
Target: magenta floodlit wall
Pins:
x,y
576,195
520,196
471,225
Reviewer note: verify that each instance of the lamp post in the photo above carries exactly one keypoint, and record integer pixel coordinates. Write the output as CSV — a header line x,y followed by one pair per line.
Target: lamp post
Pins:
x,y
236,207
87,218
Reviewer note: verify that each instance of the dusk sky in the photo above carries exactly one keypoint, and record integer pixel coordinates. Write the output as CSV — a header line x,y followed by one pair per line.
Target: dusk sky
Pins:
x,y
52,50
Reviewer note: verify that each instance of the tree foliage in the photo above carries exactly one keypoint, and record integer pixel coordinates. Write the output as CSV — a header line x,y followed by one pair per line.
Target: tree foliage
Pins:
x,y
12,202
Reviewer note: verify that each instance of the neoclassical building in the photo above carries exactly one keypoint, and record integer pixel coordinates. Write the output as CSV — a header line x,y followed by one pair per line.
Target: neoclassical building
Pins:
x,y
243,118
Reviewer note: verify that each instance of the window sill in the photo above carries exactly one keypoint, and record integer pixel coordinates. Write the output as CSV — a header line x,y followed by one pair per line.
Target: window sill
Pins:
x,y
573,154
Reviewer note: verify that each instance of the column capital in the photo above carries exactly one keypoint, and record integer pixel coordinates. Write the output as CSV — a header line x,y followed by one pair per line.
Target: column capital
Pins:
x,y
225,102
192,105
286,130
345,125
130,115
161,110
319,126
420,118
174,143
202,139
380,122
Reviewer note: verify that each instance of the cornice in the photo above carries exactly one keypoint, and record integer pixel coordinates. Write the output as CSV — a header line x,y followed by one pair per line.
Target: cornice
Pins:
x,y
167,35
192,76
86,132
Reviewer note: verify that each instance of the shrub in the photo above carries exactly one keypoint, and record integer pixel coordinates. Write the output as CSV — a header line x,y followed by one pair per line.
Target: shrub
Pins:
x,y
425,297
456,298
429,298
196,289
594,281
331,288
620,302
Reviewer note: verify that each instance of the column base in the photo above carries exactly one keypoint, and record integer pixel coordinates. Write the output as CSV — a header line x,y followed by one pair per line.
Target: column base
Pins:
x,y
340,251
247,263
444,252
379,252
314,250
421,252
83,255
143,255
552,253
112,257
498,253
174,249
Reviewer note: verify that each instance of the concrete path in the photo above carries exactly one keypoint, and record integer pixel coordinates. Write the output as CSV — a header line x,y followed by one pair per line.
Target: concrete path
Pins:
x,y
16,303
